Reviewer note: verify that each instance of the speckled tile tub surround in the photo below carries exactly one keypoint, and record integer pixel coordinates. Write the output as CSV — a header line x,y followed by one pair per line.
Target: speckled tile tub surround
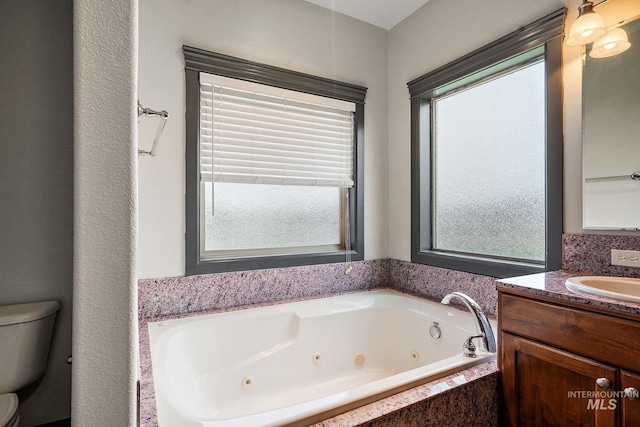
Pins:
x,y
182,296
190,294
445,402
587,254
177,295
434,283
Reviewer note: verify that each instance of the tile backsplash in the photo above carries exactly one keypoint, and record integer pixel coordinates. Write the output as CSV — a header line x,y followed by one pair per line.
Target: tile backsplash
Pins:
x,y
190,294
591,254
435,283
211,292
582,253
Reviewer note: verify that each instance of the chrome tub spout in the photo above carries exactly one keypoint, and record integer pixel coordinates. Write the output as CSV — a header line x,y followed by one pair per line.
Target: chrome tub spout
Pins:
x,y
488,342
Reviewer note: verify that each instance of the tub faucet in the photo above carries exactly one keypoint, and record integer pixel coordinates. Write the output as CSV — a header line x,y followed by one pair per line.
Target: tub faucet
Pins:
x,y
488,342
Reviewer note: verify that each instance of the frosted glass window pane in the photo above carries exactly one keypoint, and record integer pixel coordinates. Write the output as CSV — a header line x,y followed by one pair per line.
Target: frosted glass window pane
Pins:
x,y
489,147
260,216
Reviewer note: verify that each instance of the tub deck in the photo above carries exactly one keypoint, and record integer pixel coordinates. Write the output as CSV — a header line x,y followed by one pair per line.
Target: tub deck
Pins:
x,y
483,377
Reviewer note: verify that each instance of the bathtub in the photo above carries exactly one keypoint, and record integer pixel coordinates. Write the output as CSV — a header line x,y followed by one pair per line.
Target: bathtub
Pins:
x,y
298,363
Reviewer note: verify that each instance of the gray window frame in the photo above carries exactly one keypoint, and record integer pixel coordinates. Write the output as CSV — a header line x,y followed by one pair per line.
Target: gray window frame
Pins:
x,y
199,60
548,32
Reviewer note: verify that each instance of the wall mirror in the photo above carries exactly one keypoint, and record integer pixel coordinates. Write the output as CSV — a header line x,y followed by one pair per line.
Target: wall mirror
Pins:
x,y
611,137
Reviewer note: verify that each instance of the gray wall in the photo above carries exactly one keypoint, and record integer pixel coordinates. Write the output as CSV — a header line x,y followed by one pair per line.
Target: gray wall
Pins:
x,y
36,180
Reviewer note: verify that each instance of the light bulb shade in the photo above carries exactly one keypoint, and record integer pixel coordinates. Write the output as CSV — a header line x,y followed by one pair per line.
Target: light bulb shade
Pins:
x,y
613,43
587,28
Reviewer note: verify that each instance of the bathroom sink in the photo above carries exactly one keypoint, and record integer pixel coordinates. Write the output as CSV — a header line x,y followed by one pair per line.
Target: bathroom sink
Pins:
x,y
620,288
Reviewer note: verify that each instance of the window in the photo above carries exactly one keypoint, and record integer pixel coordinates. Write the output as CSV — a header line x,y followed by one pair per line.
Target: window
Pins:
x,y
274,166
487,157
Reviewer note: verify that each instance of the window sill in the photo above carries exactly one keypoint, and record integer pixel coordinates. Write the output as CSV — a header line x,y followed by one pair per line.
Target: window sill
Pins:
x,y
243,263
477,265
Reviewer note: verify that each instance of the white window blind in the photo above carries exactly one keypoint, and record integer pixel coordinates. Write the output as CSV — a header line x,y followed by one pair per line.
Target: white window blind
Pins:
x,y
251,133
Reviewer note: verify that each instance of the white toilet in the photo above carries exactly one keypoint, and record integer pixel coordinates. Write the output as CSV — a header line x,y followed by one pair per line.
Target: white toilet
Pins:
x,y
25,336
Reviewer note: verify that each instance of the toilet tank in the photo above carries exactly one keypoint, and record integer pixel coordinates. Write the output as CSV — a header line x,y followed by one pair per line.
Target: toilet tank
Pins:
x,y
25,336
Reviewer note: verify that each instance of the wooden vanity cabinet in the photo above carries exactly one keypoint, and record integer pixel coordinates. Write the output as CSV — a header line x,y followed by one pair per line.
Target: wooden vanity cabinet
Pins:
x,y
631,407
565,366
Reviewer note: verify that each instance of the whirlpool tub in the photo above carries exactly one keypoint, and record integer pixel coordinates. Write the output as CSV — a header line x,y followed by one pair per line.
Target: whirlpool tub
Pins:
x,y
298,363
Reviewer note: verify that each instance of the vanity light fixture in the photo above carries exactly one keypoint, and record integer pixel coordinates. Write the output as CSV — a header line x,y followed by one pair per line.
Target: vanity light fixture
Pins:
x,y
613,43
587,28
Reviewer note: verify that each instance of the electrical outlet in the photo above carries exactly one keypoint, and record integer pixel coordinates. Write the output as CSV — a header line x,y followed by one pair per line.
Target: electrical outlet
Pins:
x,y
625,258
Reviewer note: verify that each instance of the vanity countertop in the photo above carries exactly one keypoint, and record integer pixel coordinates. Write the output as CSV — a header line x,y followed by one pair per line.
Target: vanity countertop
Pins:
x,y
550,286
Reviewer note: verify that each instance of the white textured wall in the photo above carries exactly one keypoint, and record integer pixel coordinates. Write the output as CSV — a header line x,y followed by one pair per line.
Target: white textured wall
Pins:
x,y
438,33
104,300
291,34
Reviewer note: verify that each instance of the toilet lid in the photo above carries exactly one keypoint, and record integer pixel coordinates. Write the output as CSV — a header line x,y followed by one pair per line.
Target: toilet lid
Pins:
x,y
8,408
22,313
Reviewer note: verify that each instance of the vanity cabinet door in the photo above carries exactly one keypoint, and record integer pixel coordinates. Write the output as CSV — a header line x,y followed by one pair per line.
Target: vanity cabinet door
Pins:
x,y
544,386
630,403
